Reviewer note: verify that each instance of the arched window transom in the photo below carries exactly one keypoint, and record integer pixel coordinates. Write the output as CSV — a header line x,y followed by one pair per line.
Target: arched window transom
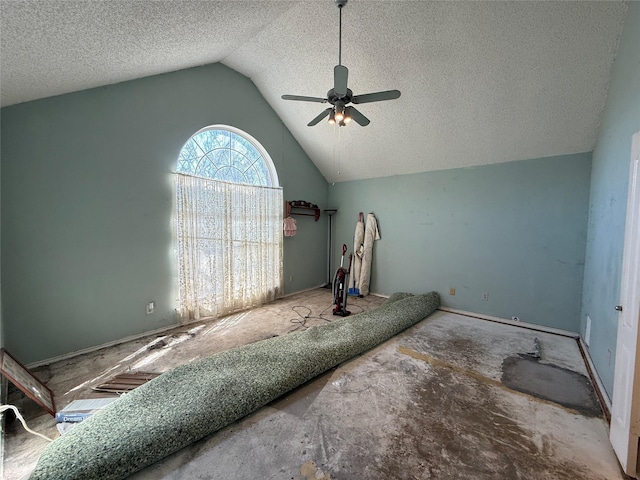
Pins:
x,y
223,153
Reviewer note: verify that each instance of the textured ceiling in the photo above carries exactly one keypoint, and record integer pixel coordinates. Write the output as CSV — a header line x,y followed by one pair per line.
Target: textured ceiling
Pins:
x,y
481,82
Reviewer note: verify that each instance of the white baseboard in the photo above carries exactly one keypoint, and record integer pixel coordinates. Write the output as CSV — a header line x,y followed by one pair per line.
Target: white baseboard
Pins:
x,y
305,290
75,353
599,385
529,326
382,295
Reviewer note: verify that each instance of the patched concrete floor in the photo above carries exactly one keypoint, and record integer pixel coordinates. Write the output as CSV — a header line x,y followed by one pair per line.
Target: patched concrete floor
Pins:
x,y
428,404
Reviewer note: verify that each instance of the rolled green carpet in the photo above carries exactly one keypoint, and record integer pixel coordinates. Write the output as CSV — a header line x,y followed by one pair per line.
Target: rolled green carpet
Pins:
x,y
194,400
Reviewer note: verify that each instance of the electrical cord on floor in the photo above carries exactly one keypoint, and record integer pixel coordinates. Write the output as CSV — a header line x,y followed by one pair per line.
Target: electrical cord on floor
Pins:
x,y
357,306
4,408
302,320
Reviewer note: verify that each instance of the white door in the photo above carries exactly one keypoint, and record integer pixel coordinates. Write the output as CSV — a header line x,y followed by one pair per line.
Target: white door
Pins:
x,y
625,414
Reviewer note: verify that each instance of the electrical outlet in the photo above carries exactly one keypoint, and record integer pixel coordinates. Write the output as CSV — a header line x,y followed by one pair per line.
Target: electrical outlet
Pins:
x,y
151,306
485,296
452,291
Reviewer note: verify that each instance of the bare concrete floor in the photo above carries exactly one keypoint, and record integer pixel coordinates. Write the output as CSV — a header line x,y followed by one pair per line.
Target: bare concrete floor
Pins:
x,y
427,404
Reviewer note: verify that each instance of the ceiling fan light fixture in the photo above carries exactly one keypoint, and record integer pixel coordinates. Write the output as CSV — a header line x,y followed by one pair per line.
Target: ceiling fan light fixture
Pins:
x,y
347,116
332,118
339,115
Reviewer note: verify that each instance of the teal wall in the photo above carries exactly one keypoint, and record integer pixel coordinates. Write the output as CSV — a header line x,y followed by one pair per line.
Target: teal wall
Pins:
x,y
608,202
515,230
87,204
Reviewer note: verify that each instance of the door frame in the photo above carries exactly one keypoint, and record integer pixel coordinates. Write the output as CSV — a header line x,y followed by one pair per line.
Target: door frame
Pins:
x,y
625,413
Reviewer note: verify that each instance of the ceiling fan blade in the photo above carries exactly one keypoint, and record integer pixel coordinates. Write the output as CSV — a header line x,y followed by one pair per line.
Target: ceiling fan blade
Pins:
x,y
340,76
357,117
315,121
376,97
301,98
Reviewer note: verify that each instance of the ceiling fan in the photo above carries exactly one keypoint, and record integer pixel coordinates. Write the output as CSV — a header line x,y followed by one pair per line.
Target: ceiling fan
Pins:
x,y
340,96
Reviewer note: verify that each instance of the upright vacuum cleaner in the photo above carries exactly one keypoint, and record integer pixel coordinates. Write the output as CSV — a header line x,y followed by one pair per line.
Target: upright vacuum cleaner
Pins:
x,y
341,286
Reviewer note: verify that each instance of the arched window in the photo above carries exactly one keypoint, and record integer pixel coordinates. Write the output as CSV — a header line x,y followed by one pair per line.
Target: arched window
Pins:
x,y
228,224
227,154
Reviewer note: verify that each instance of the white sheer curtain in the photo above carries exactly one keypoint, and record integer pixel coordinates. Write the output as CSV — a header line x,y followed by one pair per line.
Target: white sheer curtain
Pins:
x,y
229,246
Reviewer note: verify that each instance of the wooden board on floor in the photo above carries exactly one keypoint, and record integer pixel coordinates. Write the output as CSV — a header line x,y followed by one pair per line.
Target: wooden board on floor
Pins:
x,y
26,381
125,382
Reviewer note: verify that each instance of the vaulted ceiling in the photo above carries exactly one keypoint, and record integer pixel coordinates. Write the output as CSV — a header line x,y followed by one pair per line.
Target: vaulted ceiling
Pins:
x,y
481,82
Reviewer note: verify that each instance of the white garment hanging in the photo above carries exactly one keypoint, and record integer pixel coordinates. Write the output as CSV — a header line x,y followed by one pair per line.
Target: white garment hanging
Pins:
x,y
371,233
358,250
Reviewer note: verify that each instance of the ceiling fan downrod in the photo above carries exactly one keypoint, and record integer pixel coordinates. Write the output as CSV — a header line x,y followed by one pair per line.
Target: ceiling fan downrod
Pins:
x,y
340,4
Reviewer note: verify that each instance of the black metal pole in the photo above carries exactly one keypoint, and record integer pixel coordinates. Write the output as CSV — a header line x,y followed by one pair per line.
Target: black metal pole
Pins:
x,y
330,213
